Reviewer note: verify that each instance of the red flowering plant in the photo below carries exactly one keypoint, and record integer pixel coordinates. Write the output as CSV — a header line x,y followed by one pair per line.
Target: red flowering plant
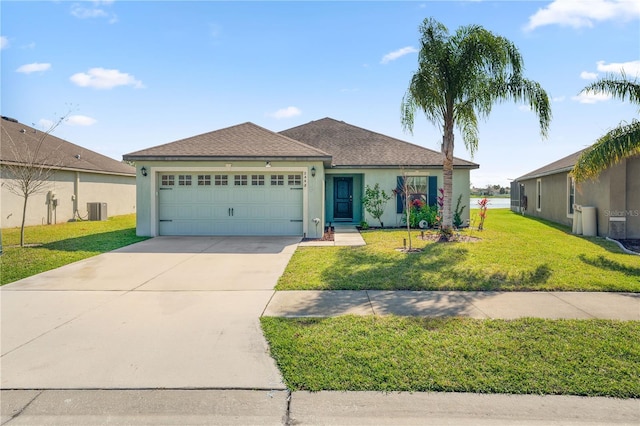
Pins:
x,y
482,205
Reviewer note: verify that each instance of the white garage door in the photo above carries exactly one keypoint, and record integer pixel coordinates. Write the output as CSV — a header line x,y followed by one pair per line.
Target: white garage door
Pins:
x,y
230,203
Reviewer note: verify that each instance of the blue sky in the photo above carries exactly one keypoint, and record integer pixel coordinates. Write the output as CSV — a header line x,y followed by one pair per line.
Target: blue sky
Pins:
x,y
137,74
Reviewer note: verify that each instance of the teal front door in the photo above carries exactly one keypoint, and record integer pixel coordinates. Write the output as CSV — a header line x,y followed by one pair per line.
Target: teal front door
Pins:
x,y
343,198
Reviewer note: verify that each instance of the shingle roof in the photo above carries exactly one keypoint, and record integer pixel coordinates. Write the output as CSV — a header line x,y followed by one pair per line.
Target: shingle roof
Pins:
x,y
564,164
245,140
352,146
19,139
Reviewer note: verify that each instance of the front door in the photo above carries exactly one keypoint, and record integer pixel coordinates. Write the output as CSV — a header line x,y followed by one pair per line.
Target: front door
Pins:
x,y
343,198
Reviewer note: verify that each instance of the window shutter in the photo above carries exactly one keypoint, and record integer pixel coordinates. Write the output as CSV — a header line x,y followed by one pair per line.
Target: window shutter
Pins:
x,y
399,193
432,195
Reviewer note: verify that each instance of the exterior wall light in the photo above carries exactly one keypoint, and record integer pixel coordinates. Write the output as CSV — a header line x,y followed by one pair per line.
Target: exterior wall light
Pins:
x,y
313,171
268,164
143,170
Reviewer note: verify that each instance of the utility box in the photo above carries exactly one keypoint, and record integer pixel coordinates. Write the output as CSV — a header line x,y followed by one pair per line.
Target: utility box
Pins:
x,y
97,211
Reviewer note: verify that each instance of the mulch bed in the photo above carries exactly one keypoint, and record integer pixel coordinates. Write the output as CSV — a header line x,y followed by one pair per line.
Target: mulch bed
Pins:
x,y
633,245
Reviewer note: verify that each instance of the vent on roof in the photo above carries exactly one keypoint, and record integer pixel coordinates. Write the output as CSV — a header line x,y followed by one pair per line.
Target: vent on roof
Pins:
x,y
13,120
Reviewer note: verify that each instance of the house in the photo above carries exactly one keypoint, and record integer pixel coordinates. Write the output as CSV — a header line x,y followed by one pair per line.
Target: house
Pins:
x,y
247,180
551,193
80,178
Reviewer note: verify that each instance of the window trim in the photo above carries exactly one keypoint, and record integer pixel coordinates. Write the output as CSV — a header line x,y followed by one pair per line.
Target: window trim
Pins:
x,y
571,193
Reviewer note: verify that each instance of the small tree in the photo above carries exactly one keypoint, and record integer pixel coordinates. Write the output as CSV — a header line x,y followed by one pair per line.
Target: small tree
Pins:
x,y
408,187
375,201
31,169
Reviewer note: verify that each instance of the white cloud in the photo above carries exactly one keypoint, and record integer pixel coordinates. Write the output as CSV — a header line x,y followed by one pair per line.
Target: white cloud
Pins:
x,y
631,68
586,75
524,107
35,67
392,56
45,124
101,78
4,42
577,14
591,98
558,99
95,11
80,120
287,112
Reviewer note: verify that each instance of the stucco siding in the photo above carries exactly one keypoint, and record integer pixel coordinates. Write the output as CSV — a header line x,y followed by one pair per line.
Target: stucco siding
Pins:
x,y
73,190
553,198
633,197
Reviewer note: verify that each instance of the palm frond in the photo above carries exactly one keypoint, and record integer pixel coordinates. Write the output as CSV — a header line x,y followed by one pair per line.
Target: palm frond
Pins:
x,y
619,143
618,87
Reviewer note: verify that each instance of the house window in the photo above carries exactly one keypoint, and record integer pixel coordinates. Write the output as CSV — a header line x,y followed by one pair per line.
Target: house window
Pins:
x,y
168,180
277,180
571,194
423,188
221,180
539,194
240,180
294,180
257,180
184,180
204,180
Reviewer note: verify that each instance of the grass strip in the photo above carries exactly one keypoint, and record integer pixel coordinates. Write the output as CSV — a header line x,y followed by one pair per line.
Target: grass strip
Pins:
x,y
524,356
51,246
514,253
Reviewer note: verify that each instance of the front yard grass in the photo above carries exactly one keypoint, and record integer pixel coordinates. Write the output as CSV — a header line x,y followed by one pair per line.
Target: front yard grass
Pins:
x,y
524,356
51,246
515,253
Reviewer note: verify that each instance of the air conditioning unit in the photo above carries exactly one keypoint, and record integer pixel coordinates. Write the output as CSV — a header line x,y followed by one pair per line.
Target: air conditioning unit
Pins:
x,y
97,211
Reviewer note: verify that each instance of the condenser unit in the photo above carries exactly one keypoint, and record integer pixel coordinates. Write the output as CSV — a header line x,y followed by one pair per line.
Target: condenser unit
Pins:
x,y
97,211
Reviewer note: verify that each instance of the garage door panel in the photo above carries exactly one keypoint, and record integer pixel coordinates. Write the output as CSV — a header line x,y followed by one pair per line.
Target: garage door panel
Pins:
x,y
231,209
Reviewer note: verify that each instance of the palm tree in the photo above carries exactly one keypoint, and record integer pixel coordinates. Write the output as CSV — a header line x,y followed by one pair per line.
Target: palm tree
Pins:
x,y
459,78
617,144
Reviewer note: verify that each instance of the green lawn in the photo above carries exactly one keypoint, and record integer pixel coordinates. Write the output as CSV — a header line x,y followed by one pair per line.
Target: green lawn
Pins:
x,y
524,356
514,253
52,246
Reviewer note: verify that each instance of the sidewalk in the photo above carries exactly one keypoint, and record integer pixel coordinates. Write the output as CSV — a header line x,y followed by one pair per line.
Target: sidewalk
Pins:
x,y
478,304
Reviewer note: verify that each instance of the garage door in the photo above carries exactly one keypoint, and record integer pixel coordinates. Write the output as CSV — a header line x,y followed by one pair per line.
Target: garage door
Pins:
x,y
230,204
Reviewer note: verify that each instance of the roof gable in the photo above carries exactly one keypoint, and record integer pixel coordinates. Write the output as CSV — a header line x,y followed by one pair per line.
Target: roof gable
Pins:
x,y
354,146
245,140
18,138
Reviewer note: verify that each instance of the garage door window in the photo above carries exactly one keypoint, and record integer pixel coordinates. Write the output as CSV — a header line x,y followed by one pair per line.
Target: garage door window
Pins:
x,y
240,180
257,180
184,180
294,180
221,180
204,180
168,180
277,180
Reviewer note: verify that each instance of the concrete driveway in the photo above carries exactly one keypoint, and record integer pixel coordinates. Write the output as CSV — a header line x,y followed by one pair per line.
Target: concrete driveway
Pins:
x,y
169,312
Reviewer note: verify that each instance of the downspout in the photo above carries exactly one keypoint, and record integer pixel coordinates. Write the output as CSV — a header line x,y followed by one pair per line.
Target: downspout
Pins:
x,y
76,187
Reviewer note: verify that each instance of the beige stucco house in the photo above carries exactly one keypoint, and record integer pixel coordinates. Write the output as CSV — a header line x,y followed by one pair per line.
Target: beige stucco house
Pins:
x,y
247,180
551,193
81,179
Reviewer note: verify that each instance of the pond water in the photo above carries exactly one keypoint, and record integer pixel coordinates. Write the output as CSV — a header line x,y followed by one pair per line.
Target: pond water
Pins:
x,y
494,203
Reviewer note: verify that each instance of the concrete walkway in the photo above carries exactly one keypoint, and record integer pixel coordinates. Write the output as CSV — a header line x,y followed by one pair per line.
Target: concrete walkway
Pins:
x,y
478,304
343,235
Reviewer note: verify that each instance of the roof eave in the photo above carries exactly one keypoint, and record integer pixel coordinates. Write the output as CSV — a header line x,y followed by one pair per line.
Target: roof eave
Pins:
x,y
543,174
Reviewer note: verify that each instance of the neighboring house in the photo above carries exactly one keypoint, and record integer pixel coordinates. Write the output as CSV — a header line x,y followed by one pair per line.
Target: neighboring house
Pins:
x,y
247,180
79,177
551,193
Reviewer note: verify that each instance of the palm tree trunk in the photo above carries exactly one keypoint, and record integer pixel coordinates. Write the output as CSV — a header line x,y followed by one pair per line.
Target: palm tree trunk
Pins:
x,y
447,174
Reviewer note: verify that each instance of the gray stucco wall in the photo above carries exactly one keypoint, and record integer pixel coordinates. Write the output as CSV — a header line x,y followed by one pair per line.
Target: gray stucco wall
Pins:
x,y
615,193
119,192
